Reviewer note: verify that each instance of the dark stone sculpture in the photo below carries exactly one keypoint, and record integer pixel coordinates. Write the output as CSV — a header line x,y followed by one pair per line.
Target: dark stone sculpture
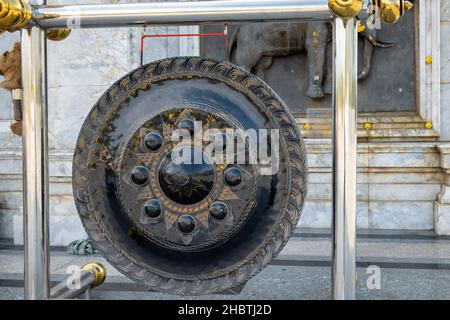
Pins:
x,y
253,47
392,71
370,42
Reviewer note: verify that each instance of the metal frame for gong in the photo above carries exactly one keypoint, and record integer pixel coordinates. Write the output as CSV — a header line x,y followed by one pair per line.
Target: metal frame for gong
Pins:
x,y
42,18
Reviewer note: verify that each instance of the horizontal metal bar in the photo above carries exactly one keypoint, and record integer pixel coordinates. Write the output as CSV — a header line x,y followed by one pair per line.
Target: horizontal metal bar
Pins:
x,y
179,13
180,35
90,276
64,291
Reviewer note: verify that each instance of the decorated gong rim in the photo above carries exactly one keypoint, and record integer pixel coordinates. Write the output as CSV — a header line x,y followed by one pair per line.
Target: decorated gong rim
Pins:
x,y
126,186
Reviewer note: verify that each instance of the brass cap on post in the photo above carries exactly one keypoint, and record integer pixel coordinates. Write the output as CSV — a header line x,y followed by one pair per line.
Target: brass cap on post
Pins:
x,y
14,14
98,270
58,34
345,9
392,10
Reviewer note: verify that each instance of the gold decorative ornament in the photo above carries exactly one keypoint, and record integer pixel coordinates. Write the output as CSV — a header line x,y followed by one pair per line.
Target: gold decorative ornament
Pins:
x,y
346,9
428,60
58,34
392,10
367,126
14,14
429,125
98,270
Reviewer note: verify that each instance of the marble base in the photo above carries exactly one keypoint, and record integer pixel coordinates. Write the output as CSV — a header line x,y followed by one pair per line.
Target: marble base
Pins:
x,y
442,218
63,229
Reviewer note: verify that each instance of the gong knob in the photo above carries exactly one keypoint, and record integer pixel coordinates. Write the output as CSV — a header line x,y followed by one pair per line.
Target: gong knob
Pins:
x,y
153,208
153,141
233,176
186,183
140,175
218,210
186,223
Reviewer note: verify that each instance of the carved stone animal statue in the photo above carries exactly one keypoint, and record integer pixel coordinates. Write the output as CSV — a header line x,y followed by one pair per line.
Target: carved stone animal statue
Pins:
x,y
253,47
10,68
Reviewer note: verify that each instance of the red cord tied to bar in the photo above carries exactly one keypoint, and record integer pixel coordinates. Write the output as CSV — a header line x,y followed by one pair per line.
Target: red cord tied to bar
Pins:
x,y
182,35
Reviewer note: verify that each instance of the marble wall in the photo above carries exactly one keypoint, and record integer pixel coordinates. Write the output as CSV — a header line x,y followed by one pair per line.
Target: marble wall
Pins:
x,y
445,70
401,185
442,205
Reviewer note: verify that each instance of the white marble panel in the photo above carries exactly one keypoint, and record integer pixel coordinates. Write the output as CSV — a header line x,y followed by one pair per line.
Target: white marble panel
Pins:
x,y
403,160
63,230
68,107
11,200
10,183
6,223
445,10
89,57
445,110
442,218
405,215
415,177
403,192
445,52
317,214
62,206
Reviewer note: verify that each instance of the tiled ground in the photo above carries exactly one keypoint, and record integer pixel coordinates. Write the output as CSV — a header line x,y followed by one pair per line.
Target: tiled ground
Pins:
x,y
412,266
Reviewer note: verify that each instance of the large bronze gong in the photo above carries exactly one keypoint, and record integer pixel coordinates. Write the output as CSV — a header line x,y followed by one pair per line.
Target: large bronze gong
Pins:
x,y
180,227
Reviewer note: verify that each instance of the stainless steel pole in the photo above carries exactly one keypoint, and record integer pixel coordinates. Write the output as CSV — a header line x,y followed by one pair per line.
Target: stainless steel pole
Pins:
x,y
35,163
345,42
189,12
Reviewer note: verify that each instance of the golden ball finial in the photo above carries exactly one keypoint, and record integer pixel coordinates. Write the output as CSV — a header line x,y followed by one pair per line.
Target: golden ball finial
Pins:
x,y
58,34
98,270
367,126
345,9
392,10
408,5
14,14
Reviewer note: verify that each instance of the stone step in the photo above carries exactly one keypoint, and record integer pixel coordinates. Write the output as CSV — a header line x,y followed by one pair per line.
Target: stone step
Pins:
x,y
278,282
